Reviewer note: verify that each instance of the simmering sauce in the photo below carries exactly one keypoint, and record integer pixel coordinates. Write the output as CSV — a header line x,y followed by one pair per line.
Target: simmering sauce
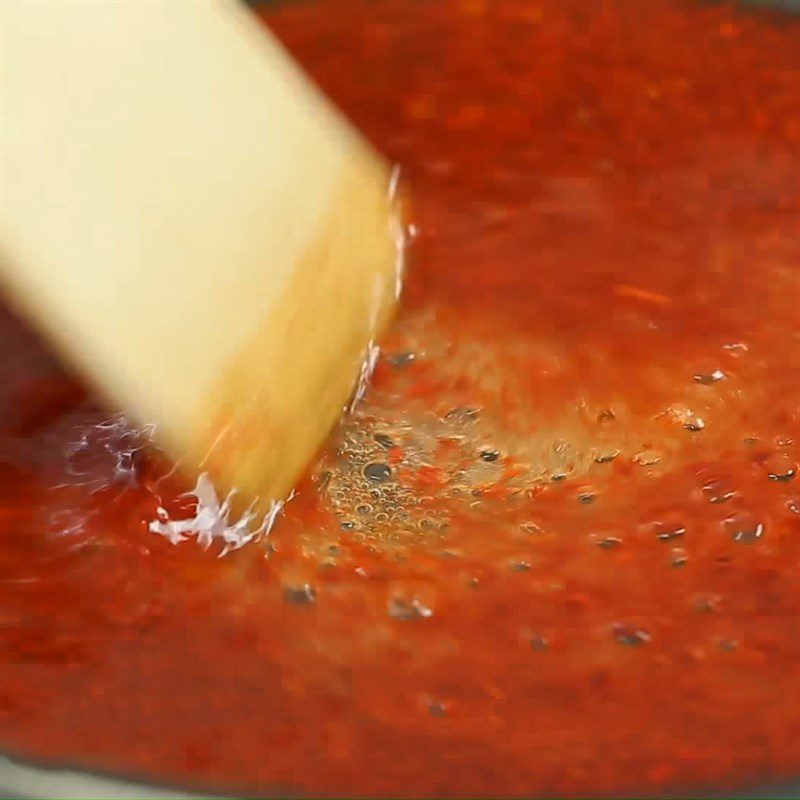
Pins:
x,y
556,549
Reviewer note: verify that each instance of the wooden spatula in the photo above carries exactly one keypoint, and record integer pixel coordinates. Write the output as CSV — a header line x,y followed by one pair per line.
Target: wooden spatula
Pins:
x,y
192,225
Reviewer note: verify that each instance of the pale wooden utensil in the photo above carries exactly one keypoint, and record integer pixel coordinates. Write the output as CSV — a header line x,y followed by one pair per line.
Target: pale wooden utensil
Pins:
x,y
192,225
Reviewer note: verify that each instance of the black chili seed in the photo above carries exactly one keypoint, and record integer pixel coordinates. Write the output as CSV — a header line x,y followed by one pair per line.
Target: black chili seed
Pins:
x,y
489,455
378,472
303,595
559,476
695,425
386,442
586,498
606,415
347,525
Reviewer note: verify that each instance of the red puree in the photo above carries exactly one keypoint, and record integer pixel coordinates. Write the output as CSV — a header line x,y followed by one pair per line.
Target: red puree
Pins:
x,y
556,549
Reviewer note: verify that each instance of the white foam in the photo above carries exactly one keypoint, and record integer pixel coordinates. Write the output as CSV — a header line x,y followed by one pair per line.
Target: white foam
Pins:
x,y
212,522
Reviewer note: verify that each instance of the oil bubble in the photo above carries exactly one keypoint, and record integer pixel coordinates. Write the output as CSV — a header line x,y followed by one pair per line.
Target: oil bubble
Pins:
x,y
301,595
378,472
609,542
678,558
630,636
406,610
744,528
707,378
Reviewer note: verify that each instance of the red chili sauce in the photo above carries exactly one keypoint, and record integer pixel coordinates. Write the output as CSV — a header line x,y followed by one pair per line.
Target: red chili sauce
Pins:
x,y
556,548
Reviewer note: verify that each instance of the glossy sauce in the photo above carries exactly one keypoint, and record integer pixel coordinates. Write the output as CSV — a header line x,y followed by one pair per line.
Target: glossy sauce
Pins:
x,y
556,550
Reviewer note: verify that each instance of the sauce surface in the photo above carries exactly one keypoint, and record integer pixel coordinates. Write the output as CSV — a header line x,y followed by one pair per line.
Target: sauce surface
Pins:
x,y
556,549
